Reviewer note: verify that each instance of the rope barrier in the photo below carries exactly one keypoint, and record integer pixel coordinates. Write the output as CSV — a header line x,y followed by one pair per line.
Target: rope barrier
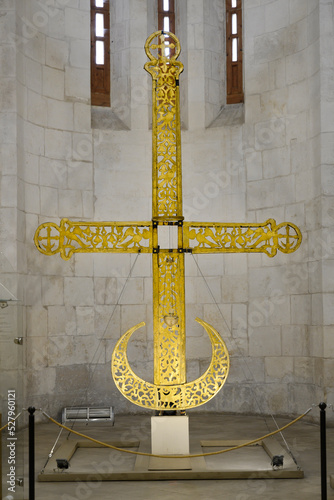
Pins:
x,y
249,443
4,427
106,445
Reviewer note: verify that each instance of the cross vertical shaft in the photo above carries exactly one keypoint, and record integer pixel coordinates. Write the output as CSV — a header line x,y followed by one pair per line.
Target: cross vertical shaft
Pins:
x,y
168,263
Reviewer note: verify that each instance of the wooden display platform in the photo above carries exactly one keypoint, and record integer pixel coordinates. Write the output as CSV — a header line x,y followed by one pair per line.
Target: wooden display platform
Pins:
x,y
251,462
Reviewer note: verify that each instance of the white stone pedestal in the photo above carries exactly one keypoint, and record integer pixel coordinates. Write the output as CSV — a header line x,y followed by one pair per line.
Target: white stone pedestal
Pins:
x,y
170,436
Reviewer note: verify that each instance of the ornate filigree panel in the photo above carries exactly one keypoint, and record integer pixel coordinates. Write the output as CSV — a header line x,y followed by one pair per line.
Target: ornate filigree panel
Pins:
x,y
75,237
176,396
170,389
165,70
169,318
268,237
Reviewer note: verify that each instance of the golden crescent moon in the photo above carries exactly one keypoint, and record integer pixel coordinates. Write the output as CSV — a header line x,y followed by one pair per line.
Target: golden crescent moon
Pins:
x,y
177,397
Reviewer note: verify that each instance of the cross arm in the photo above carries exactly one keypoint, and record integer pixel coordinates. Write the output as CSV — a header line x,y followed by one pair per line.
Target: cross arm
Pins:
x,y
217,237
88,237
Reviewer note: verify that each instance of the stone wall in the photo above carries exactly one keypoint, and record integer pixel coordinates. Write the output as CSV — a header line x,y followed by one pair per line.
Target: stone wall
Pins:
x,y
283,135
323,232
272,161
12,222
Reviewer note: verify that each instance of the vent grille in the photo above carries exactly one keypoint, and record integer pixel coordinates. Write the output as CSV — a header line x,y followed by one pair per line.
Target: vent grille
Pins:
x,y
74,414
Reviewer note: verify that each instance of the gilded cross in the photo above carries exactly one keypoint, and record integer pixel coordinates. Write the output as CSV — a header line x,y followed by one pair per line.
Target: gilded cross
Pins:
x,y
170,388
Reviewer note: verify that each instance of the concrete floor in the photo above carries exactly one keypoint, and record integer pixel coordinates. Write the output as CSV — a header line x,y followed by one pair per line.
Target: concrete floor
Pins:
x,y
302,438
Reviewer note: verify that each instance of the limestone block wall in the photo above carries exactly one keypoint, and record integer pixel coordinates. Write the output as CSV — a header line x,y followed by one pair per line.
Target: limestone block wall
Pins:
x,y
57,172
324,231
283,130
11,212
302,76
90,164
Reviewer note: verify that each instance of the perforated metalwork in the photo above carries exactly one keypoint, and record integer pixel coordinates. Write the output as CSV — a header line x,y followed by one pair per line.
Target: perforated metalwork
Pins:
x,y
166,139
78,237
265,238
176,396
170,388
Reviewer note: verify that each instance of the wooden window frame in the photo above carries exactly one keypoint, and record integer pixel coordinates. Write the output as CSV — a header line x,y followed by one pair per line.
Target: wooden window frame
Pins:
x,y
170,13
100,73
234,69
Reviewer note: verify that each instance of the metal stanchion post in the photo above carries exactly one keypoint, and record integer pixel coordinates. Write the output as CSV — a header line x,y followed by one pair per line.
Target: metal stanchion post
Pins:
x,y
31,411
323,453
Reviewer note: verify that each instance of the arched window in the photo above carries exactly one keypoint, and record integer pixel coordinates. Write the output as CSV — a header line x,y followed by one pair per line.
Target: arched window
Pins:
x,y
100,53
234,77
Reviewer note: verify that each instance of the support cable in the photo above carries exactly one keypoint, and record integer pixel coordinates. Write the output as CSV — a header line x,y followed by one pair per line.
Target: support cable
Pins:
x,y
245,363
52,449
106,328
285,442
